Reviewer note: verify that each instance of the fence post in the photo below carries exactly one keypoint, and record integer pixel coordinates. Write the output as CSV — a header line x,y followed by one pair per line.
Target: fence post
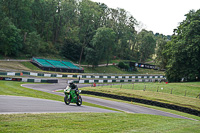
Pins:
x,y
157,88
171,90
144,88
121,86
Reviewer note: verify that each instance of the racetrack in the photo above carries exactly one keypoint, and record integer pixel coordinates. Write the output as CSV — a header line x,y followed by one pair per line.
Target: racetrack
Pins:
x,y
50,88
18,104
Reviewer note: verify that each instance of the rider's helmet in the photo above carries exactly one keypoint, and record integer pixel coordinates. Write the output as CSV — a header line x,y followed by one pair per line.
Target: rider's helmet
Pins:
x,y
71,82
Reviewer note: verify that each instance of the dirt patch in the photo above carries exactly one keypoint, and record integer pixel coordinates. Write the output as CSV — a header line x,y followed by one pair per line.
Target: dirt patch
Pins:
x,y
13,65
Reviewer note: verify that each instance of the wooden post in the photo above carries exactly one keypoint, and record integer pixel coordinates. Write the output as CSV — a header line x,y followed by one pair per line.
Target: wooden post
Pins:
x,y
157,88
198,96
171,90
144,88
121,86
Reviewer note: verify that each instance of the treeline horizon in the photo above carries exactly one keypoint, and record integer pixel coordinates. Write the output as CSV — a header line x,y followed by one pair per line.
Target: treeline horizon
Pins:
x,y
82,30
74,29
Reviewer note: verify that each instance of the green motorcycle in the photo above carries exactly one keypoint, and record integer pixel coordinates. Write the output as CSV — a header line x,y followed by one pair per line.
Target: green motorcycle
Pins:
x,y
72,97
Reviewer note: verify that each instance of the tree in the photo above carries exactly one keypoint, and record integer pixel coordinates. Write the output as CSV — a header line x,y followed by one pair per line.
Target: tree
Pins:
x,y
123,25
33,44
103,42
10,38
184,50
70,49
161,55
146,45
89,13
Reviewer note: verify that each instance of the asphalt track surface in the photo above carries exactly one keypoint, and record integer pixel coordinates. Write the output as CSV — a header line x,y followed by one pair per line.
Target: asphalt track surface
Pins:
x,y
130,108
18,105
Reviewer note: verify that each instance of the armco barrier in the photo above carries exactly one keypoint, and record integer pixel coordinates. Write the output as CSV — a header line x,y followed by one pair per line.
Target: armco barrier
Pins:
x,y
86,76
143,101
10,73
30,80
114,81
96,76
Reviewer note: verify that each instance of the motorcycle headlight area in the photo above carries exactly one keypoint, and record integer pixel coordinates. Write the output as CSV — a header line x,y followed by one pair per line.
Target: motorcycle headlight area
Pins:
x,y
66,90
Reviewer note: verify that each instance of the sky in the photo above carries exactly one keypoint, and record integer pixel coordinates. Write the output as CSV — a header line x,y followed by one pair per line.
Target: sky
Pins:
x,y
159,16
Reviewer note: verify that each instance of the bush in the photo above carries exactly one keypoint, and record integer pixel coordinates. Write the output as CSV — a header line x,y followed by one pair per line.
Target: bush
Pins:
x,y
122,65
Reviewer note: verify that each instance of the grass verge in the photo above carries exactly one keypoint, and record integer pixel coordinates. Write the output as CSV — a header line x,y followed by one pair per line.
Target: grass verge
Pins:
x,y
30,66
116,70
149,106
14,88
95,122
161,96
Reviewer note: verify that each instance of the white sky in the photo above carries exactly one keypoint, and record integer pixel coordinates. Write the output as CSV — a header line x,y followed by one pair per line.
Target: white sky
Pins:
x,y
161,16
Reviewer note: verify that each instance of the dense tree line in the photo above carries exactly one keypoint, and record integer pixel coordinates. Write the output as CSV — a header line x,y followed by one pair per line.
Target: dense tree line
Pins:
x,y
181,55
76,29
82,30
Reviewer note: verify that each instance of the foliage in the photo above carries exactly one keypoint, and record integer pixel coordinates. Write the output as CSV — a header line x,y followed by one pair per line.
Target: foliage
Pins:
x,y
122,65
102,44
161,55
33,44
146,45
73,29
10,39
183,51
71,49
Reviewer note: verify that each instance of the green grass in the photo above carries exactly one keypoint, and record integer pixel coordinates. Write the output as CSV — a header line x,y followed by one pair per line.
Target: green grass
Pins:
x,y
163,95
95,122
191,89
105,69
15,88
116,70
116,61
30,65
149,106
149,71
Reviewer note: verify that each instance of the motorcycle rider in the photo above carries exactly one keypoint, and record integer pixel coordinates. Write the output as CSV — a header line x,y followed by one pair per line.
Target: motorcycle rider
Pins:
x,y
73,86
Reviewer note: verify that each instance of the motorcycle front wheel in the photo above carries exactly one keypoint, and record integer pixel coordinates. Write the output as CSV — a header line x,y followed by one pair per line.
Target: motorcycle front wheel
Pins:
x,y
79,101
67,100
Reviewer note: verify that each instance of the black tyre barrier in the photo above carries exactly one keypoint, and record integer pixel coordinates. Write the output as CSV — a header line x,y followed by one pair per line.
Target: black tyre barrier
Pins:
x,y
52,81
10,79
30,80
148,102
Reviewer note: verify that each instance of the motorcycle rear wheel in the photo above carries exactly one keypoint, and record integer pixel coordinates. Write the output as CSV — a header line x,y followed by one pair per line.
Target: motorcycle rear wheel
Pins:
x,y
67,100
79,101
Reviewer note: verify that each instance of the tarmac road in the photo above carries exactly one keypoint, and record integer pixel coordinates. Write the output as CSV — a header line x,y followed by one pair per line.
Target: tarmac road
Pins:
x,y
51,88
18,105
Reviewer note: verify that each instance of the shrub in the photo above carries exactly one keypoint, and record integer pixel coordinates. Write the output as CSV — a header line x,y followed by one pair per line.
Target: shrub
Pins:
x,y
122,65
